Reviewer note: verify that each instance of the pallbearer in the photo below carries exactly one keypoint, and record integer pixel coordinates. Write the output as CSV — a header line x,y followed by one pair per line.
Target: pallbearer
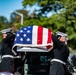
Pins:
x,y
60,55
7,65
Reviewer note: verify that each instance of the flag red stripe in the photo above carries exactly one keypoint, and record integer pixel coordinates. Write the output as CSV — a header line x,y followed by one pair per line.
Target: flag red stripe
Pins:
x,y
39,35
49,40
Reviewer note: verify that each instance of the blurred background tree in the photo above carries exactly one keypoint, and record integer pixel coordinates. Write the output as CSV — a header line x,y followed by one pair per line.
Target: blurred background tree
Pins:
x,y
3,24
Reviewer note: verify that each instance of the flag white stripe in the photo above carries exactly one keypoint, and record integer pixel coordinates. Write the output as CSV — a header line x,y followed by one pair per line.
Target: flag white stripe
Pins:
x,y
45,36
34,35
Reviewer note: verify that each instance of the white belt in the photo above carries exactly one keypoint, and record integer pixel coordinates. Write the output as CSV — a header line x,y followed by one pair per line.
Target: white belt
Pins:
x,y
5,56
57,60
6,73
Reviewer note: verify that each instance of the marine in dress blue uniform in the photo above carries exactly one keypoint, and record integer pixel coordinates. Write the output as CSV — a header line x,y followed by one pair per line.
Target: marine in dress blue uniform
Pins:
x,y
60,55
7,64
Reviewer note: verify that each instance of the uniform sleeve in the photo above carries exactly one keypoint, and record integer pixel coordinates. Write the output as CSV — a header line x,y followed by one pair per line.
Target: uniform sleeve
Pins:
x,y
56,42
9,37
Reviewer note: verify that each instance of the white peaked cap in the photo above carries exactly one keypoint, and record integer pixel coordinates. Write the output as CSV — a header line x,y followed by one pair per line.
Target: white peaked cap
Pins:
x,y
6,30
61,33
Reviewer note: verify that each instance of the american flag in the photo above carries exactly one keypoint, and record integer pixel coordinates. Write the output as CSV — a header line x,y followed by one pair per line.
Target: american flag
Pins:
x,y
34,36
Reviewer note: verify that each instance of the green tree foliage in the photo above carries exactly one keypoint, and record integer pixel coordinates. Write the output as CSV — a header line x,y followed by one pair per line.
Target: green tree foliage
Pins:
x,y
3,24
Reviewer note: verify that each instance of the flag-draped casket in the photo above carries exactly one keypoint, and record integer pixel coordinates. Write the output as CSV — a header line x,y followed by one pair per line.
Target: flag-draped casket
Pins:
x,y
33,38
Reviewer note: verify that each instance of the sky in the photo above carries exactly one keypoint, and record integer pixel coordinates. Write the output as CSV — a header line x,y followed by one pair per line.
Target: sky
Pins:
x,y
8,6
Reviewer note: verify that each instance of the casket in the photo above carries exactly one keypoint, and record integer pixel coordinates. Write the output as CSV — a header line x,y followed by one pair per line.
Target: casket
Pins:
x,y
31,49
33,39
